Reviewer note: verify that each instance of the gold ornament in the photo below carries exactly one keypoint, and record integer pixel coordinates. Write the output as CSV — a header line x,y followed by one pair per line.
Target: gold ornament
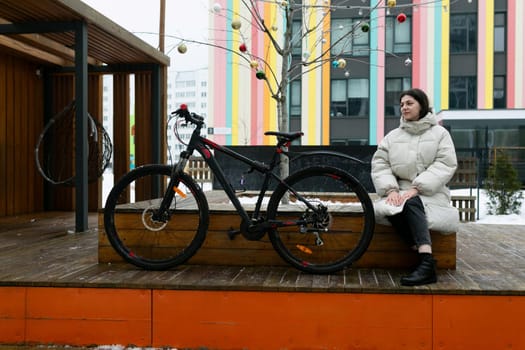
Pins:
x,y
182,48
236,24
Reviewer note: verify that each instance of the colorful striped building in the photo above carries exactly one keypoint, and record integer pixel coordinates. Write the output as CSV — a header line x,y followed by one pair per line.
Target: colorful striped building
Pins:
x,y
467,55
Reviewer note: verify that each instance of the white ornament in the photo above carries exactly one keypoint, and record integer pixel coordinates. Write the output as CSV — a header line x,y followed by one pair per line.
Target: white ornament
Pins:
x,y
408,62
217,7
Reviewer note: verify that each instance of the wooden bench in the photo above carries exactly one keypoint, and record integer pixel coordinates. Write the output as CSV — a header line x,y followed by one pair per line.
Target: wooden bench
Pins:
x,y
466,177
387,250
199,170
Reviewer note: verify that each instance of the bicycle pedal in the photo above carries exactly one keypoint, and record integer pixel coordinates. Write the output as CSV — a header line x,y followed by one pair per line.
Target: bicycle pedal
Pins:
x,y
232,233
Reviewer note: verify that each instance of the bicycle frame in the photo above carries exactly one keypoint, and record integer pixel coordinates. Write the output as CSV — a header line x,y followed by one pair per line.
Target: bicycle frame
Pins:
x,y
204,147
252,225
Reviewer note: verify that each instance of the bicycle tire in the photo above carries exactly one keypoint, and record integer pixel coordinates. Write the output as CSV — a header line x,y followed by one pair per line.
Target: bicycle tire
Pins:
x,y
57,141
144,242
344,241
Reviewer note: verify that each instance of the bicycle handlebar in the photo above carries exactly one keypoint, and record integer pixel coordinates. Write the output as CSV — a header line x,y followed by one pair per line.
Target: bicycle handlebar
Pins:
x,y
193,118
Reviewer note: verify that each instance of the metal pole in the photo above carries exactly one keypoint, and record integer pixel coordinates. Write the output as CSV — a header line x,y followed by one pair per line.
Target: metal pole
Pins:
x,y
81,143
162,21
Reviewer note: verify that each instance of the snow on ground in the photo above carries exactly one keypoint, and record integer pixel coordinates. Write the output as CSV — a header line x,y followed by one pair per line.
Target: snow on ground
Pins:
x,y
484,218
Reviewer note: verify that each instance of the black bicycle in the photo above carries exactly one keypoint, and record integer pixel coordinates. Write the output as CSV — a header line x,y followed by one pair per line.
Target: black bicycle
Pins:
x,y
319,219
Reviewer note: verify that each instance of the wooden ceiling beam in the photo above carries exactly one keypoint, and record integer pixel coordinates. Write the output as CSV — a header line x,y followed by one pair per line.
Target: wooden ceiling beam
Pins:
x,y
54,48
23,49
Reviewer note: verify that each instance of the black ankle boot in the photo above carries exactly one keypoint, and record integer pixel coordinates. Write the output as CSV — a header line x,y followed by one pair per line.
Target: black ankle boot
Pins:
x,y
425,273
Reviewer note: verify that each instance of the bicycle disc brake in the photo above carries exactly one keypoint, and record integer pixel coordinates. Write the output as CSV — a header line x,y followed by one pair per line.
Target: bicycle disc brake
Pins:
x,y
149,222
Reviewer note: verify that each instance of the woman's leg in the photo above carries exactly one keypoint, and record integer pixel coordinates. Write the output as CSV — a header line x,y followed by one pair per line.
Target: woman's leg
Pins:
x,y
415,218
400,225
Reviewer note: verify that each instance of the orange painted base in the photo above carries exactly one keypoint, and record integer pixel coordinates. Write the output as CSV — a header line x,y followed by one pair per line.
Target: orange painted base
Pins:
x,y
259,320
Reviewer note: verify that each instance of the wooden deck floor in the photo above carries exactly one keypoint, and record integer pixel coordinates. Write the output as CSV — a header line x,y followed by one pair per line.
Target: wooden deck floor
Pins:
x,y
54,291
40,250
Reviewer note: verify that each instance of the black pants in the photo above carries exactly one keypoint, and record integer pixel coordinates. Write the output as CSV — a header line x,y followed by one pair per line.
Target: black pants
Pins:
x,y
411,224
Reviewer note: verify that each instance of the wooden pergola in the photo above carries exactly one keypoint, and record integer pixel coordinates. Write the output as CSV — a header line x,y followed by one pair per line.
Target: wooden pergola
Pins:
x,y
72,43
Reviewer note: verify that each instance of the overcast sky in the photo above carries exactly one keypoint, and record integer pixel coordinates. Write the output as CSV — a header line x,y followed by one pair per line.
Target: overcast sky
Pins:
x,y
187,19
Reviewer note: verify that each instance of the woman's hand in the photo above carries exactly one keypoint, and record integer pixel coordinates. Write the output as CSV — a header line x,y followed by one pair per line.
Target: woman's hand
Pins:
x,y
409,194
395,198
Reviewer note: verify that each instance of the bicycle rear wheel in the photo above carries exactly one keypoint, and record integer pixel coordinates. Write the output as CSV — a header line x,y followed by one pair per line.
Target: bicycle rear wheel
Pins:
x,y
155,244
333,235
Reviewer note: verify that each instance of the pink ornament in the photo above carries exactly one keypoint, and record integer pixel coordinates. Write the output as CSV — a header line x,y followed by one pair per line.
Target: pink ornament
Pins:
x,y
401,17
242,47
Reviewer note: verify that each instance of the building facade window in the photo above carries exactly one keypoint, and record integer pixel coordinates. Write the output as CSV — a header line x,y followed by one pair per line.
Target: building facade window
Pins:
x,y
295,99
462,93
499,92
348,39
463,33
394,87
296,38
499,32
349,98
398,39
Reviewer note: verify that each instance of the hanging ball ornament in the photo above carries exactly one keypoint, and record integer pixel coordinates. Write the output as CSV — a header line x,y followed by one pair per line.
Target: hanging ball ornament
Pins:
x,y
365,27
401,17
306,55
217,7
236,24
182,48
254,64
391,3
335,63
284,3
243,47
260,75
274,28
347,74
341,63
408,62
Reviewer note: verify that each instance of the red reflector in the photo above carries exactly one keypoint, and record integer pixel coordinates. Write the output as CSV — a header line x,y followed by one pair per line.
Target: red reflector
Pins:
x,y
184,106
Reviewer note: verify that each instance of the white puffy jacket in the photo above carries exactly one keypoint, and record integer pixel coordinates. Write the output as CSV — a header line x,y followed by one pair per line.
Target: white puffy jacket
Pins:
x,y
418,154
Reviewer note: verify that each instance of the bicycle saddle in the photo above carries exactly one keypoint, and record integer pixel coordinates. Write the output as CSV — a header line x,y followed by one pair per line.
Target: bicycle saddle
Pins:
x,y
288,136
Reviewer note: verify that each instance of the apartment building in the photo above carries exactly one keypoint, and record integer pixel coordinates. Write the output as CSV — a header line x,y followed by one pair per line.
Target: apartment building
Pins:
x,y
467,54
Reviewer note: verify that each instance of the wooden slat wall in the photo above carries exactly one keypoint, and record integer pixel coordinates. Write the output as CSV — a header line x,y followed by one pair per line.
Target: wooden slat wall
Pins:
x,y
95,86
121,125
21,120
143,129
143,119
63,198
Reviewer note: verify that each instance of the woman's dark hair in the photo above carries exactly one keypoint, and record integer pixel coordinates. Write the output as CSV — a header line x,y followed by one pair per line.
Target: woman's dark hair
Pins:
x,y
422,98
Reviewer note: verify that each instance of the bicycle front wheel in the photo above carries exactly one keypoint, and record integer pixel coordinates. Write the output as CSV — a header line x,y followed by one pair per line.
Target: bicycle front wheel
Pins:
x,y
334,219
143,235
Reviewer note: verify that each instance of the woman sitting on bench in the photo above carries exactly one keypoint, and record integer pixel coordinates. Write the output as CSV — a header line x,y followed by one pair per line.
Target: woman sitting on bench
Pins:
x,y
410,170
